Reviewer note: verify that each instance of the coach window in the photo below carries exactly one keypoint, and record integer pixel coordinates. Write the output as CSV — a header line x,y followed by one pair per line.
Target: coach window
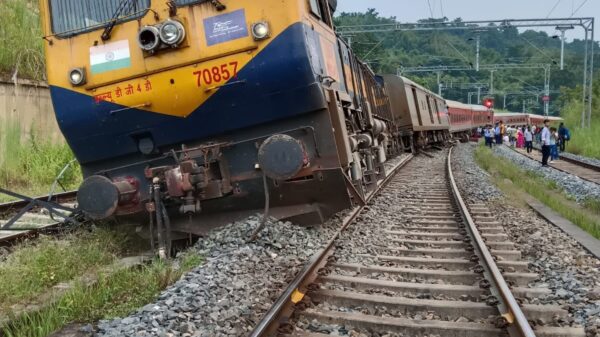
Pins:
x,y
320,8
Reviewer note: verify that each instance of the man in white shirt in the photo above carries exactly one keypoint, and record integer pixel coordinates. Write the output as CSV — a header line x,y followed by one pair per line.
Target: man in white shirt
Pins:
x,y
545,143
528,140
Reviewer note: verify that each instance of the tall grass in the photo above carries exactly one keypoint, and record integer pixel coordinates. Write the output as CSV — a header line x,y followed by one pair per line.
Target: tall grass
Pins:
x,y
34,267
20,40
583,141
114,295
548,192
30,164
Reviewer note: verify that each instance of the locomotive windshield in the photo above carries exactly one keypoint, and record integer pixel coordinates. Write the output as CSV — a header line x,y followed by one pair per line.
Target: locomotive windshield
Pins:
x,y
71,17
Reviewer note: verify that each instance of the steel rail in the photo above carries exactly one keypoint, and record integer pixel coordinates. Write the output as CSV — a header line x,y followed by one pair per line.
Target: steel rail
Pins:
x,y
583,164
7,206
508,305
580,163
294,292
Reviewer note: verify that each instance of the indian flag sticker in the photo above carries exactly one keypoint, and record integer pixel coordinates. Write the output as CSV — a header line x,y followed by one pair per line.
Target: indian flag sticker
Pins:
x,y
111,56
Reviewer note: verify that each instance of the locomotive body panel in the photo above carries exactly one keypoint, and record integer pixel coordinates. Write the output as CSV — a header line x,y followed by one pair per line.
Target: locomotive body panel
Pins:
x,y
198,117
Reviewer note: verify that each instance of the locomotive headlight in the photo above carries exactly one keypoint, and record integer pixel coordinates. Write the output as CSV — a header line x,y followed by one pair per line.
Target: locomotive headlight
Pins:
x,y
77,76
172,32
148,39
260,31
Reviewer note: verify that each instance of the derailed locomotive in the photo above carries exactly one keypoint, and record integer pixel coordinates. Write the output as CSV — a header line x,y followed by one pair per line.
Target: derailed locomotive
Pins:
x,y
192,111
189,104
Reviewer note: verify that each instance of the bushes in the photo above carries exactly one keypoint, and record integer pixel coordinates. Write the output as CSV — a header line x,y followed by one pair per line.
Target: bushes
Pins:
x,y
31,165
583,141
21,47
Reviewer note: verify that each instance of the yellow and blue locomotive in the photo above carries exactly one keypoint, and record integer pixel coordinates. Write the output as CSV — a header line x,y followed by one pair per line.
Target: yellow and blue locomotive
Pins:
x,y
195,109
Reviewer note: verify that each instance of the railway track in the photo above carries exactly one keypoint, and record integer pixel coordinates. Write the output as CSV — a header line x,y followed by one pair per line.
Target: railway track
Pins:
x,y
417,261
583,170
34,220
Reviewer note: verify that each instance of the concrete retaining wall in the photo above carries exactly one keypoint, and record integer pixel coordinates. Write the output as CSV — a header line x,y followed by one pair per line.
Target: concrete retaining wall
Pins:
x,y
28,106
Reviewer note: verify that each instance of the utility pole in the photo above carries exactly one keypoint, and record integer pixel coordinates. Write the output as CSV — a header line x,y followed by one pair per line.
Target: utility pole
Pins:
x,y
478,95
492,81
590,86
478,44
439,82
562,30
585,61
546,90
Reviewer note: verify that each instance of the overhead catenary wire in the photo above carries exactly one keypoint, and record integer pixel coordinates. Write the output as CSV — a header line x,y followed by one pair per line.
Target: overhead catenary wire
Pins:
x,y
578,8
537,48
553,8
430,9
459,53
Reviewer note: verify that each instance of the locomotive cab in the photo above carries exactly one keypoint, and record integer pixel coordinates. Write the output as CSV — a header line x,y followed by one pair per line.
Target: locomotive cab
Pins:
x,y
197,112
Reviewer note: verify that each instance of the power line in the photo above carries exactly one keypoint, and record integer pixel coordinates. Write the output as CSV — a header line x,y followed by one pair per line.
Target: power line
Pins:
x,y
459,53
578,8
374,47
430,9
553,8
537,48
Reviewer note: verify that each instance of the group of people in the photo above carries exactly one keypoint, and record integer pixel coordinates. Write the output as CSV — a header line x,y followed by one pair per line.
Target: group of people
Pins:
x,y
550,138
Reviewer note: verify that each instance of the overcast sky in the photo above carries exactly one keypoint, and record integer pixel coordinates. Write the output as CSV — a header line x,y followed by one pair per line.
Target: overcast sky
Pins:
x,y
413,10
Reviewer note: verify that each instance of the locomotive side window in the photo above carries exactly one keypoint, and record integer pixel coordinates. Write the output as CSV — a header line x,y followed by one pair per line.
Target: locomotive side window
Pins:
x,y
321,9
315,8
71,17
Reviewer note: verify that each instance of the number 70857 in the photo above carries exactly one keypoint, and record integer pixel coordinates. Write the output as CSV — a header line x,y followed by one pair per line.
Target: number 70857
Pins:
x,y
216,74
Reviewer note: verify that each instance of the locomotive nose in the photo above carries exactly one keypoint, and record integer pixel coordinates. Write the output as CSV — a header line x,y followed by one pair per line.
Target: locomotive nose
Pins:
x,y
99,197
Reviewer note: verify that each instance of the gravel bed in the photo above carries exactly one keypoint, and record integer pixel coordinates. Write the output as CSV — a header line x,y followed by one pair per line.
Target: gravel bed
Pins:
x,y
228,295
588,160
468,173
564,266
367,236
233,289
584,159
574,186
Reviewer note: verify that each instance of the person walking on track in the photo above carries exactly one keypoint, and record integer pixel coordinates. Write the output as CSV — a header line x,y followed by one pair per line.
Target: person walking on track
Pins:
x,y
498,134
564,136
553,144
528,140
545,143
488,134
520,137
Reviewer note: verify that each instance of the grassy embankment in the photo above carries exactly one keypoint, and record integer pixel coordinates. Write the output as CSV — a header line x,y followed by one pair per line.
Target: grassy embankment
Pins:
x,y
27,164
514,182
30,165
34,268
583,141
20,40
